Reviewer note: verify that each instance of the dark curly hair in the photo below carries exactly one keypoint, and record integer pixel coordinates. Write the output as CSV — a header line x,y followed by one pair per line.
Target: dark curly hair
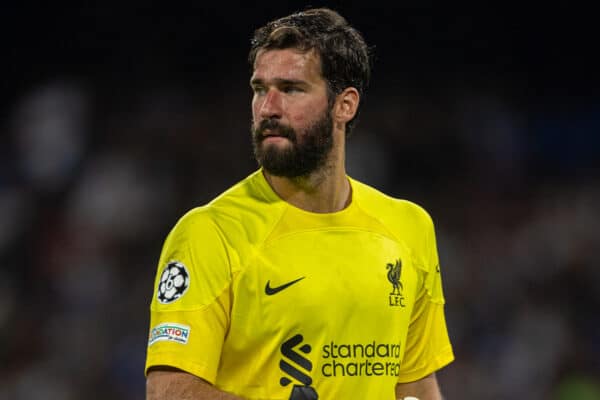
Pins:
x,y
345,57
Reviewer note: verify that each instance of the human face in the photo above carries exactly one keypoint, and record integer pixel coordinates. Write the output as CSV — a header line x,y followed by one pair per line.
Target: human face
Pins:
x,y
292,125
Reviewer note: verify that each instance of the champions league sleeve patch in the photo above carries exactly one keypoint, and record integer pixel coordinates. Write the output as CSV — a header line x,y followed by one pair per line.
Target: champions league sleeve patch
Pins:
x,y
174,282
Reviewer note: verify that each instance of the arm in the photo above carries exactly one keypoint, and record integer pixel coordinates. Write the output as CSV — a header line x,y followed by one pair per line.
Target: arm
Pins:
x,y
187,332
164,384
428,347
423,389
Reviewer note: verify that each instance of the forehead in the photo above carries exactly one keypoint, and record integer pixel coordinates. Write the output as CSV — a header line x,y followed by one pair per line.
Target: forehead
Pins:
x,y
287,64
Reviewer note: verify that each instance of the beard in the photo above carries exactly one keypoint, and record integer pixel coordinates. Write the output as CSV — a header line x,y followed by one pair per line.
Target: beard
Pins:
x,y
302,156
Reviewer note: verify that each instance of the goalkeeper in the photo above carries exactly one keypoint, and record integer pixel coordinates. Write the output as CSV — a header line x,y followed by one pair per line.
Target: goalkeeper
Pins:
x,y
300,282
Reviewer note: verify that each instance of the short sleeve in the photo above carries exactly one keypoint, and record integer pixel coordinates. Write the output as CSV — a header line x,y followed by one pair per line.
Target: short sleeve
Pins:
x,y
431,270
190,307
428,346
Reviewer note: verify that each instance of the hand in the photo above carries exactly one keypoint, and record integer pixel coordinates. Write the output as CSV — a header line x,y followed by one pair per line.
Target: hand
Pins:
x,y
300,392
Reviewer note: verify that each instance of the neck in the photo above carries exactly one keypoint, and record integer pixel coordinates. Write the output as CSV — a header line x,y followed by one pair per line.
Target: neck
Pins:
x,y
324,191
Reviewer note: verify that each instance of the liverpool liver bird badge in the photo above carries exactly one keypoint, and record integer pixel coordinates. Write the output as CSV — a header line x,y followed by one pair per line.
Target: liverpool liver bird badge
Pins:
x,y
393,275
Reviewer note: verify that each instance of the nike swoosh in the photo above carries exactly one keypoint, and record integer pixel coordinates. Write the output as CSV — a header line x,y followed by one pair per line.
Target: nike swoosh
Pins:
x,y
269,291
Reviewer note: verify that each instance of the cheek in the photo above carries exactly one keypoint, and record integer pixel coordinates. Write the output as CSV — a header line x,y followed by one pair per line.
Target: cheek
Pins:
x,y
255,108
308,114
299,113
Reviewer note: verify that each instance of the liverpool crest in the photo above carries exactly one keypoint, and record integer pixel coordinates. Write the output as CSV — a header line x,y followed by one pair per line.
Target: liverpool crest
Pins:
x,y
396,299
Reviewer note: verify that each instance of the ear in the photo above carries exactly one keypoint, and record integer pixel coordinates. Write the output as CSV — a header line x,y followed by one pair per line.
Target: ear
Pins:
x,y
346,105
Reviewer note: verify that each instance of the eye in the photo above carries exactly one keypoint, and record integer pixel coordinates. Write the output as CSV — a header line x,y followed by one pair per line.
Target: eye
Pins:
x,y
291,89
259,90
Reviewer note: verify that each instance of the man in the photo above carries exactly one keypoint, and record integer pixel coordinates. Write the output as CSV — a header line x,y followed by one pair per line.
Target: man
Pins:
x,y
300,282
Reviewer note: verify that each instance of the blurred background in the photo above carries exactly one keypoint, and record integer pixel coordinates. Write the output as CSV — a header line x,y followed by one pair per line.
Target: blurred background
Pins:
x,y
118,118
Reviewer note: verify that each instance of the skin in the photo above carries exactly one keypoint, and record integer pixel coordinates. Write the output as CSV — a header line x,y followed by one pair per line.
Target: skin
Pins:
x,y
166,384
288,86
424,389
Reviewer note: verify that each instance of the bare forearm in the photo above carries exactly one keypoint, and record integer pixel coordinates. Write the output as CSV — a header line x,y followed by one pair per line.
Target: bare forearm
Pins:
x,y
166,385
424,389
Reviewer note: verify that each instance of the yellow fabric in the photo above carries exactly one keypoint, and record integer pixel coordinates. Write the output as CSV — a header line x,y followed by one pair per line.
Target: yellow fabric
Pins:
x,y
343,328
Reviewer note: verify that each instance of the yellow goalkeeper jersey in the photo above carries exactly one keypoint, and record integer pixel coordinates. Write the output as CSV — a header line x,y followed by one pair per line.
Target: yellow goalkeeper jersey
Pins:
x,y
268,301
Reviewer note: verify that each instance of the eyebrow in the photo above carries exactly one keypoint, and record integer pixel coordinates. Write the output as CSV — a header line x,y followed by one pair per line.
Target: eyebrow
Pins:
x,y
279,82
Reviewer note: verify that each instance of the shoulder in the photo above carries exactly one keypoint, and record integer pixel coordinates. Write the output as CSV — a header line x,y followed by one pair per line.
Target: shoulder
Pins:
x,y
245,211
391,210
407,221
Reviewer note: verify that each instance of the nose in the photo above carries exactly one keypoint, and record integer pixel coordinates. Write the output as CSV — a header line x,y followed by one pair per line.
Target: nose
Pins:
x,y
271,106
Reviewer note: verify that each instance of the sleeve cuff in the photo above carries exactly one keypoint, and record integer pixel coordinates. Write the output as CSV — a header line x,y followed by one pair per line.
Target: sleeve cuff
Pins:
x,y
443,359
166,359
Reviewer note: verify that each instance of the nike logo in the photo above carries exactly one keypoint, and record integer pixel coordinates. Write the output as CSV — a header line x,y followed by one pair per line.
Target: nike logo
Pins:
x,y
269,291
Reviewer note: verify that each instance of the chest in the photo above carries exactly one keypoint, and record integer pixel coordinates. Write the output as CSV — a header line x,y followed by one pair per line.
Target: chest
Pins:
x,y
337,282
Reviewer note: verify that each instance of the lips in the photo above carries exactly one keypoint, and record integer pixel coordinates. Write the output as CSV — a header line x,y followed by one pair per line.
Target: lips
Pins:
x,y
271,133
273,138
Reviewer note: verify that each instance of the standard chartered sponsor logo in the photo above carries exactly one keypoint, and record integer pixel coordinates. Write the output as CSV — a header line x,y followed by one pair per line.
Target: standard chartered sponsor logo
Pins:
x,y
361,359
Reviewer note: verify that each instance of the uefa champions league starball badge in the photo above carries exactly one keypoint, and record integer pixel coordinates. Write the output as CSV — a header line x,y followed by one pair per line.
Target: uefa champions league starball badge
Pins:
x,y
174,282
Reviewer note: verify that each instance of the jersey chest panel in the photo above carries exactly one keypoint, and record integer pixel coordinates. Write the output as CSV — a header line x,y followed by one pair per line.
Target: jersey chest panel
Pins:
x,y
319,306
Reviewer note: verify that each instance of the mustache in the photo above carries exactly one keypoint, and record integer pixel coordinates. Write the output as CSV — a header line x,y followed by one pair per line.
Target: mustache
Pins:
x,y
276,128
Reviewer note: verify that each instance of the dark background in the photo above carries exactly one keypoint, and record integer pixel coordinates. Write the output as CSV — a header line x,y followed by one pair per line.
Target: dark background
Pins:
x,y
117,118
